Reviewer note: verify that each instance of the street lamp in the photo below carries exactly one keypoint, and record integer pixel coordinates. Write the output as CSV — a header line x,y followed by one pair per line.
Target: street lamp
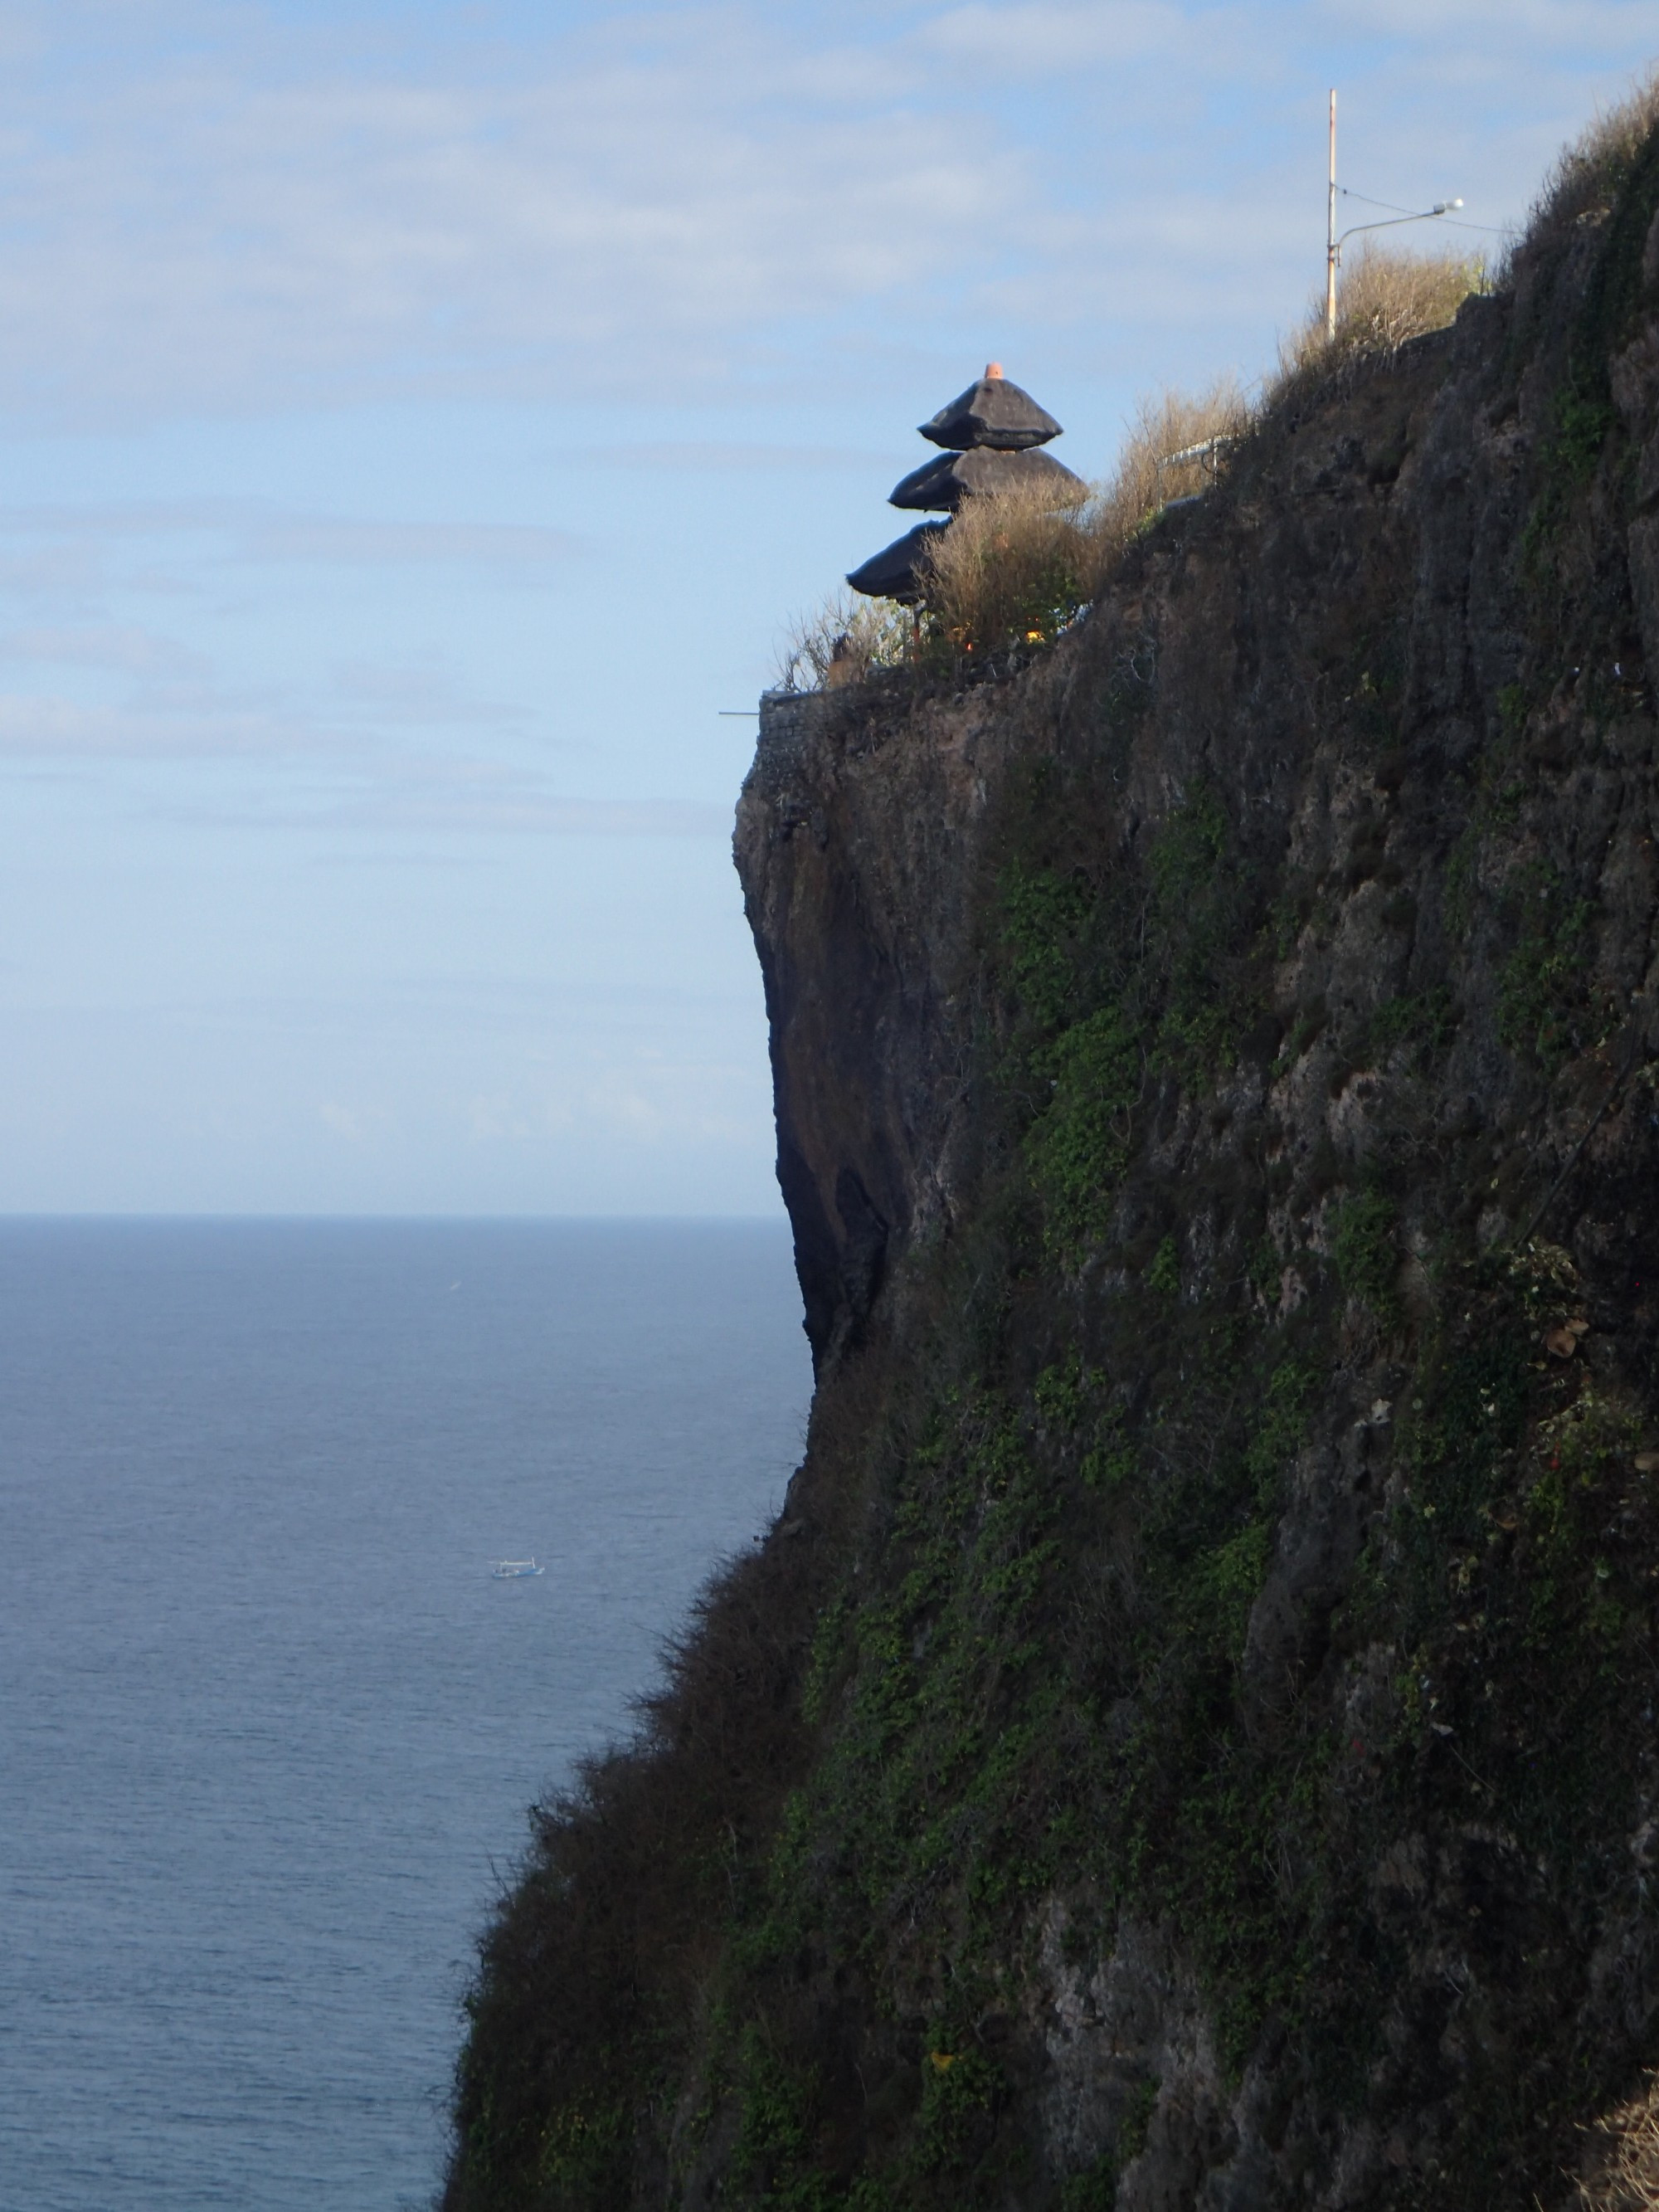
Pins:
x,y
1334,245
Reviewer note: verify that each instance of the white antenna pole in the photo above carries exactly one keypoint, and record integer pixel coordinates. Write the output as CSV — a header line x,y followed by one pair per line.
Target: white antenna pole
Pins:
x,y
1330,236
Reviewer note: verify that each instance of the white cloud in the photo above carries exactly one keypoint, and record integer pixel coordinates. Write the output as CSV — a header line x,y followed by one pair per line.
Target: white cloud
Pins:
x,y
226,212
650,1096
729,457
509,1116
214,230
327,772
128,650
462,800
326,540
356,1124
422,695
176,707
339,771
1579,27
180,726
57,574
1033,38
252,530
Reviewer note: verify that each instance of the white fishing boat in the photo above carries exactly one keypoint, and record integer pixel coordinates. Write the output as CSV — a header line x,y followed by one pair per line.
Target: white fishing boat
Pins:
x,y
509,1570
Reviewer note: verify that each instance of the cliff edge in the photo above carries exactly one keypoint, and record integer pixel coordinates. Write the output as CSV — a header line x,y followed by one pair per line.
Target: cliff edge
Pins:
x,y
1190,1737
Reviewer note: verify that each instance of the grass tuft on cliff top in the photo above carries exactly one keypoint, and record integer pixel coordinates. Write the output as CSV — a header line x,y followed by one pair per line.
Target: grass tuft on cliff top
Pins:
x,y
1590,174
1384,300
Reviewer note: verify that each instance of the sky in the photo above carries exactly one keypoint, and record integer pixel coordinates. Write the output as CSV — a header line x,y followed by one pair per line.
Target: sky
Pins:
x,y
418,423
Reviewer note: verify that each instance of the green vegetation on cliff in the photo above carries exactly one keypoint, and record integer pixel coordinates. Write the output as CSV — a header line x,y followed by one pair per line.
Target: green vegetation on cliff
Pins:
x,y
1190,1736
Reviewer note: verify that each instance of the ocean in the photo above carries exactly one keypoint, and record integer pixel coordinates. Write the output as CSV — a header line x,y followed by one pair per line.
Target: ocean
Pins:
x,y
268,1725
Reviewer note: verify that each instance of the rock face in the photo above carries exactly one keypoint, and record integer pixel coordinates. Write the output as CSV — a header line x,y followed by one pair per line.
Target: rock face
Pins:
x,y
840,841
1190,1739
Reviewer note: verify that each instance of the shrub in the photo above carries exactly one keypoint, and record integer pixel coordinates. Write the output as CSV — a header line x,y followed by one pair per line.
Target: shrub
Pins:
x,y
842,641
1078,1147
1012,569
1147,478
1362,1245
1542,984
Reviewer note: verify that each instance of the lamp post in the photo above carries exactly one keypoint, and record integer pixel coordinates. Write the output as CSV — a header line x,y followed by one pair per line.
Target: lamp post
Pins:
x,y
1330,233
1334,245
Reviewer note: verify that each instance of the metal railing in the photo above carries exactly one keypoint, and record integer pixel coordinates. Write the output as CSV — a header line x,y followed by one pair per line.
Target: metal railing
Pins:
x,y
1209,453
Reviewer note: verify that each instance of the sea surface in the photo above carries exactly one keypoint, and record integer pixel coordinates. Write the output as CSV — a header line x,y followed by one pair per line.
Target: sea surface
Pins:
x,y
268,1725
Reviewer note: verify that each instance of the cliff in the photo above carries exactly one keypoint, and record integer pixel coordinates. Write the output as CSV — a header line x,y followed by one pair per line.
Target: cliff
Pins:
x,y
1189,1740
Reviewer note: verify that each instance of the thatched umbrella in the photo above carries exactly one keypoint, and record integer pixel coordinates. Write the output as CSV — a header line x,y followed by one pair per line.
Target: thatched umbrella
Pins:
x,y
942,484
993,412
989,432
894,572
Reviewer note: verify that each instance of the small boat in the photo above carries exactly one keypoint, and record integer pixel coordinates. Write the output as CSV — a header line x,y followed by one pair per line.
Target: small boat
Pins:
x,y
507,1571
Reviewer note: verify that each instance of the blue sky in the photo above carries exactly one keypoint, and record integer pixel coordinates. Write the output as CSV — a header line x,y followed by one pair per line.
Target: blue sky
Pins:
x,y
416,421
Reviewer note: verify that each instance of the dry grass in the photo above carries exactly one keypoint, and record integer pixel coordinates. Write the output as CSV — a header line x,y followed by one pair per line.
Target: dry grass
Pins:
x,y
1626,2158
1587,176
1383,300
842,643
1148,477
1012,571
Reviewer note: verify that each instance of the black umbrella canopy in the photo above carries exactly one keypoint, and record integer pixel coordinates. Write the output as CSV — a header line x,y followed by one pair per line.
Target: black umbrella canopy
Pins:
x,y
892,574
942,484
993,412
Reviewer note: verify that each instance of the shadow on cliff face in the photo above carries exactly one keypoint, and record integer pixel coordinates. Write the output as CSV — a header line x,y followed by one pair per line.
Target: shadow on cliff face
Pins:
x,y
1189,1738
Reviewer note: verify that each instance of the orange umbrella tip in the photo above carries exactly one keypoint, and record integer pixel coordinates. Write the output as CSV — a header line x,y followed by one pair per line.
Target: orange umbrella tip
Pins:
x,y
993,368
